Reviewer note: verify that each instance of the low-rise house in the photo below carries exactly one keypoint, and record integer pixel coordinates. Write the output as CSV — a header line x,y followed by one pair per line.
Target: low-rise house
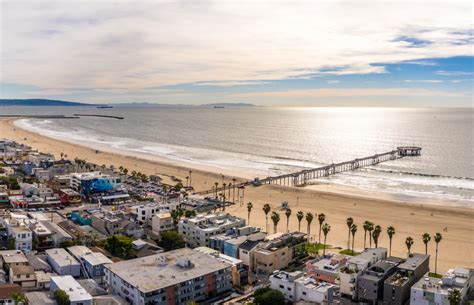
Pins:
x,y
178,276
92,262
43,280
10,258
77,294
397,287
59,235
69,196
198,230
161,223
6,291
298,288
326,269
355,266
115,223
24,276
430,290
278,252
229,243
42,235
39,262
63,263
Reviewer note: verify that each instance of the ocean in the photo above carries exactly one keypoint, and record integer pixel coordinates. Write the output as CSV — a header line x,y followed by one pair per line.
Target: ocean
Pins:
x,y
259,142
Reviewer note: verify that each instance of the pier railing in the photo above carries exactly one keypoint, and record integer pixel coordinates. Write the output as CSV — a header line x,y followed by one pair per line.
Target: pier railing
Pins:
x,y
301,178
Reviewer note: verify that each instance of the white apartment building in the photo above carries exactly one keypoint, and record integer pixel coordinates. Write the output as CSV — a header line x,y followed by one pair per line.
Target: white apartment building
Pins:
x,y
161,223
430,290
298,288
196,231
17,228
355,266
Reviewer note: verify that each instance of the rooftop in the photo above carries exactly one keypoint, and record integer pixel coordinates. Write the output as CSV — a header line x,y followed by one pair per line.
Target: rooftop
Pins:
x,y
166,269
13,256
22,269
96,258
61,257
7,289
74,290
413,261
78,251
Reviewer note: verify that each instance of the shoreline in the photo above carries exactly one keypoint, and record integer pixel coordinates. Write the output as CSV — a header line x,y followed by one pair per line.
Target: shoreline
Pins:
x,y
409,219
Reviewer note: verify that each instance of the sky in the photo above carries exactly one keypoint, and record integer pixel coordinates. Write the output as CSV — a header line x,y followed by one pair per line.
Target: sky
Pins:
x,y
271,53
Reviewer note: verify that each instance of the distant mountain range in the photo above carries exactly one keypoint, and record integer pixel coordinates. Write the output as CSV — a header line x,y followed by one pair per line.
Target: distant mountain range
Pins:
x,y
46,102
39,102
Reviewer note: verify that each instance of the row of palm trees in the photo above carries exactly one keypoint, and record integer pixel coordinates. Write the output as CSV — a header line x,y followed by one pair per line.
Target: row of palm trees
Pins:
x,y
374,231
226,187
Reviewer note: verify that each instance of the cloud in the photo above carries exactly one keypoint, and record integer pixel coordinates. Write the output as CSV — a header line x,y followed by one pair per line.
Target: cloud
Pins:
x,y
230,84
130,46
351,92
453,73
423,81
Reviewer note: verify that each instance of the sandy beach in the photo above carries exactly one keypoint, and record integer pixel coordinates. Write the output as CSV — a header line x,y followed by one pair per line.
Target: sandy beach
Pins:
x,y
456,248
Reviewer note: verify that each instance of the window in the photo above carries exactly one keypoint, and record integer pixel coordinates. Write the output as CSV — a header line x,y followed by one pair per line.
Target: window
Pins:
x,y
281,286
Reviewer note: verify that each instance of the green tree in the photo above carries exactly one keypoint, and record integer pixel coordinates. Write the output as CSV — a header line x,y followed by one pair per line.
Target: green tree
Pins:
x,y
409,243
249,210
266,209
276,219
61,297
287,214
454,297
11,243
175,215
376,235
299,216
326,229
353,231
321,219
390,233
426,239
19,297
189,213
120,246
268,296
366,226
437,238
309,220
171,240
349,222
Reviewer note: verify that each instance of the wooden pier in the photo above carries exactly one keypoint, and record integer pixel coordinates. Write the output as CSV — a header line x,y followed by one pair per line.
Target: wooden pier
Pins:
x,y
302,177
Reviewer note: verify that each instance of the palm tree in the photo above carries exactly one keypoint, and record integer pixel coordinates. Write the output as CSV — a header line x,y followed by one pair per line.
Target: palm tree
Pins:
x,y
266,209
187,181
125,171
349,222
376,234
299,216
249,209
275,218
370,229
353,231
233,189
216,184
409,243
287,214
366,226
321,219
309,219
19,297
426,239
120,168
437,238
454,297
326,229
190,178
390,233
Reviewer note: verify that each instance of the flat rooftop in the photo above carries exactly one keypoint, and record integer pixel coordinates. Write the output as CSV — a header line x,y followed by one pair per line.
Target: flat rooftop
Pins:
x,y
78,251
61,257
414,261
96,258
74,290
161,270
13,256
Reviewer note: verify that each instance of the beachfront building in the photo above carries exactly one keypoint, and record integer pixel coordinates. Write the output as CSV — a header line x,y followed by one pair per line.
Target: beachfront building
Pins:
x,y
299,288
198,230
62,262
77,294
229,243
93,182
396,290
430,290
326,269
277,252
355,266
370,284
174,277
161,223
